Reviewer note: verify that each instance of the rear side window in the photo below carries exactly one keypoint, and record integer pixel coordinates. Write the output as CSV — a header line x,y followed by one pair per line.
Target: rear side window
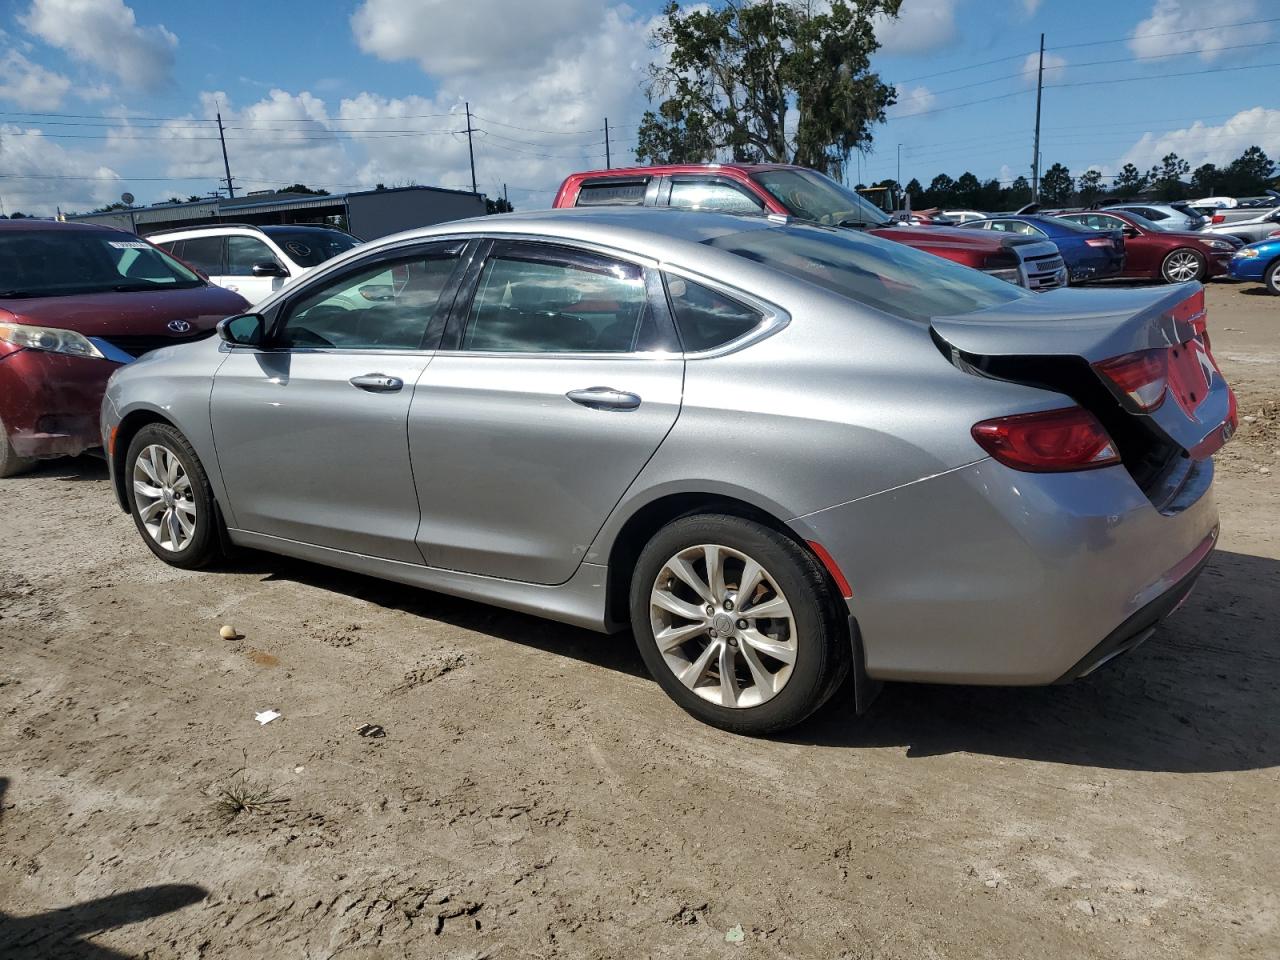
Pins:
x,y
612,193
204,253
889,276
708,319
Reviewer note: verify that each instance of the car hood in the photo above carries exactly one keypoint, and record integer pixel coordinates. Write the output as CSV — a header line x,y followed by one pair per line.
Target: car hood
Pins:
x,y
953,237
127,314
1185,236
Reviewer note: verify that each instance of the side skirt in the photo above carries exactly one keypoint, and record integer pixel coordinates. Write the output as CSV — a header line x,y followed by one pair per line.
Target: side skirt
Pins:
x,y
579,601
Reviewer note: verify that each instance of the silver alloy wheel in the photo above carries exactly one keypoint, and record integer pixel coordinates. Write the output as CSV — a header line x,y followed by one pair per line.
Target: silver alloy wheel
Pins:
x,y
1181,266
163,496
723,626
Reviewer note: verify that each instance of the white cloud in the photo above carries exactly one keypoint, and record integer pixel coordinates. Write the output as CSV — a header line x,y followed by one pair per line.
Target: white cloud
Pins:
x,y
922,25
1201,26
1030,7
1053,68
105,34
31,160
1220,144
912,100
30,85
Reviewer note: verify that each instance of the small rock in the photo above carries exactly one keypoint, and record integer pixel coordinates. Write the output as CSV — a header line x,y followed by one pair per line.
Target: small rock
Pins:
x,y
371,730
229,632
298,769
1085,907
1250,418
735,935
992,883
1265,471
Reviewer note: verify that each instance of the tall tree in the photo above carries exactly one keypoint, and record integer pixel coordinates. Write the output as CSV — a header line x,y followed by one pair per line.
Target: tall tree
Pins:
x,y
1204,179
1019,191
1130,180
1251,172
1056,185
1166,177
1090,184
917,194
942,191
784,81
968,188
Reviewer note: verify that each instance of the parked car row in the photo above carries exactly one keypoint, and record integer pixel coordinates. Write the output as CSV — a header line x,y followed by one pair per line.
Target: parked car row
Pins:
x,y
783,449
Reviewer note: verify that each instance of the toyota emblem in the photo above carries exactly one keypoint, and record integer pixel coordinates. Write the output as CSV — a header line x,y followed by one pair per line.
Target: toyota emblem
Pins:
x,y
179,326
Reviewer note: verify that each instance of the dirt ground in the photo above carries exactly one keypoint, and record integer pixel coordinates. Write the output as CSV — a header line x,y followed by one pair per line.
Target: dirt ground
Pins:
x,y
535,795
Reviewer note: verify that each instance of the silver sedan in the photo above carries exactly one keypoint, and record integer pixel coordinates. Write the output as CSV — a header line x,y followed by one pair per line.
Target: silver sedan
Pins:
x,y
781,454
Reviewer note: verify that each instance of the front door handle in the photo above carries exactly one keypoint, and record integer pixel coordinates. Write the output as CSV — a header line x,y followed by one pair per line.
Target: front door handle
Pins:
x,y
604,398
377,383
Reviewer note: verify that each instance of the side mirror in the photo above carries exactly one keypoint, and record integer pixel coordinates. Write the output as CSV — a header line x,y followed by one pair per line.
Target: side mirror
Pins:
x,y
1131,232
269,268
245,330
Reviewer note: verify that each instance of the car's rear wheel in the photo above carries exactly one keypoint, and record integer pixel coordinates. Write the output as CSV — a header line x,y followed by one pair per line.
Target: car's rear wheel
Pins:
x,y
738,623
1271,279
10,463
1183,265
170,498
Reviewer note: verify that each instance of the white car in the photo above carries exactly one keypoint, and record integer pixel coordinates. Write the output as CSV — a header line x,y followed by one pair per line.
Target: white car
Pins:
x,y
1165,216
966,216
254,261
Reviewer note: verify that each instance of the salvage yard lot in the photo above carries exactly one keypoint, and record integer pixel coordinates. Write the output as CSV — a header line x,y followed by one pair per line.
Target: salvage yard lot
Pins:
x,y
535,795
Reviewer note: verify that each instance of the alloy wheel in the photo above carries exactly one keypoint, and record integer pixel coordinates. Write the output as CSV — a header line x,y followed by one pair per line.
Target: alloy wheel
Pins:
x,y
163,497
723,626
1182,266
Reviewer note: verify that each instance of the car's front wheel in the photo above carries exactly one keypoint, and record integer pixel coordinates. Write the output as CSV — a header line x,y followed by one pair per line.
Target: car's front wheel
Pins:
x,y
1270,279
170,498
738,623
1183,265
10,463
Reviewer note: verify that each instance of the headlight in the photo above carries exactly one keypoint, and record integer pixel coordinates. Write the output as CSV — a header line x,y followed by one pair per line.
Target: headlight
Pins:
x,y
1219,245
48,339
1011,275
1245,253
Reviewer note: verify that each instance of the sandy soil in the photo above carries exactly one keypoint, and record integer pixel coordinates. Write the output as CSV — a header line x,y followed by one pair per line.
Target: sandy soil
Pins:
x,y
535,795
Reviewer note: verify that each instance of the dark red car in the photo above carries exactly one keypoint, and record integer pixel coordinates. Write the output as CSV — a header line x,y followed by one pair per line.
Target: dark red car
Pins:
x,y
799,192
76,303
1155,254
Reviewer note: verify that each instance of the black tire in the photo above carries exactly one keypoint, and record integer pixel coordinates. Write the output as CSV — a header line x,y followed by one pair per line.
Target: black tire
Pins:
x,y
10,463
1202,270
204,545
822,656
1270,279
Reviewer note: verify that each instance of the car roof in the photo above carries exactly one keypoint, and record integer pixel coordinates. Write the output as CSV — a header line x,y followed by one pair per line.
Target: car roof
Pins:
x,y
665,168
206,228
30,223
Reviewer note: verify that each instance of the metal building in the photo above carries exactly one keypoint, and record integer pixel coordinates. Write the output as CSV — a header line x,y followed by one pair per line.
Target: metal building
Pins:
x,y
367,214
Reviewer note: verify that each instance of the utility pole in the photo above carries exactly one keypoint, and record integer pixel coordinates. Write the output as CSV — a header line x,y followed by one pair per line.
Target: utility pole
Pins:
x,y
608,161
226,164
505,201
471,151
1035,156
899,181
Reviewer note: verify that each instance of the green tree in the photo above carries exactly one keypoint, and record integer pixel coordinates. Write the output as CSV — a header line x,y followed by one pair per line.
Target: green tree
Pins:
x,y
112,206
917,194
1204,179
941,192
1129,181
1091,187
785,81
1166,177
968,189
1019,192
501,205
303,188
1250,173
1056,185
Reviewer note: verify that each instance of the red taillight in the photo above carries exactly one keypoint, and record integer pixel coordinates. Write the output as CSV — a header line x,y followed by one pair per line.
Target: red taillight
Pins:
x,y
1048,441
1099,241
1141,376
1218,218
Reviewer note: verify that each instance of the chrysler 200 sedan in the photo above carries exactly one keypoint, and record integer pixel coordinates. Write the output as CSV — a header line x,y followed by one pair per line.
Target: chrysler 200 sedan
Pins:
x,y
780,453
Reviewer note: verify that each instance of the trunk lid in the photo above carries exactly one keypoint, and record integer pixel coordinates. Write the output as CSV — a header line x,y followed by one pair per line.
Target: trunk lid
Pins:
x,y
1060,341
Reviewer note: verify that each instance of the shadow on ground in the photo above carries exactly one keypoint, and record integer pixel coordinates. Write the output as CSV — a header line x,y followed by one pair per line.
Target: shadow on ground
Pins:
x,y
65,932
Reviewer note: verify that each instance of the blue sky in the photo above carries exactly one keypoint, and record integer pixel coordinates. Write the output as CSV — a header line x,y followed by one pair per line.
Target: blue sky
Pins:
x,y
102,96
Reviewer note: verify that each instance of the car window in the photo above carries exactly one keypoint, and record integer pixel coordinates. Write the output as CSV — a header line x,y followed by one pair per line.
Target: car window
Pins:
x,y
708,319
711,195
172,246
59,262
384,306
310,246
204,253
244,252
630,193
1108,223
530,301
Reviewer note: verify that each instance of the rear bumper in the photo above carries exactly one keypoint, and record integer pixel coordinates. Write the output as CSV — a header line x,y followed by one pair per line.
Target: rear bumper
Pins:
x,y
991,576
49,402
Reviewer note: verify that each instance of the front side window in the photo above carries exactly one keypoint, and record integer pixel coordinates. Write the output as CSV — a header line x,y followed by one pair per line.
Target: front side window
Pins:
x,y
882,274
57,262
707,318
385,306
527,301
713,196
243,252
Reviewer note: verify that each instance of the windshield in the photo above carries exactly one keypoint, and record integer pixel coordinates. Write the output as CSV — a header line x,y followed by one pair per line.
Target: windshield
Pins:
x,y
811,196
879,273
52,263
310,248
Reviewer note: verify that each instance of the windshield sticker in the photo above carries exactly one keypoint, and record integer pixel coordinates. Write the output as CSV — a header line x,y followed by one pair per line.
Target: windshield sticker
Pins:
x,y
128,244
298,249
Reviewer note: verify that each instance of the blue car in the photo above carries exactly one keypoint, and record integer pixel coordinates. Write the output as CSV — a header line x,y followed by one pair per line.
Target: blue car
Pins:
x,y
1258,261
1088,254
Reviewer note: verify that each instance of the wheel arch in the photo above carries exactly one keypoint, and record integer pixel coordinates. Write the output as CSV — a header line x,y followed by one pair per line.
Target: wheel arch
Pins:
x,y
121,437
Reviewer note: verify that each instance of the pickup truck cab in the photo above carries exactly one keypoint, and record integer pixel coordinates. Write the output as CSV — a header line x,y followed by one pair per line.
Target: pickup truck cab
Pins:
x,y
793,191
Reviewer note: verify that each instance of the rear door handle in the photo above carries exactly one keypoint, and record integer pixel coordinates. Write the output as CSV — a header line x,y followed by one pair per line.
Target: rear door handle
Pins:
x,y
377,383
604,398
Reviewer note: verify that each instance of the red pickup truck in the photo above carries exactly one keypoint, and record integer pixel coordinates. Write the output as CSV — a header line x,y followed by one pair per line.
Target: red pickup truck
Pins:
x,y
808,195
